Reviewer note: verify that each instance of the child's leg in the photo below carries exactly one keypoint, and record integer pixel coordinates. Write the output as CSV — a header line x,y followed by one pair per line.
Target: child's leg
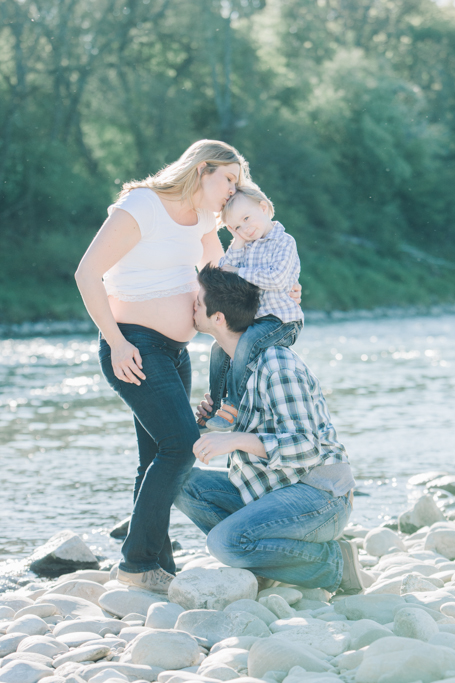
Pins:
x,y
219,366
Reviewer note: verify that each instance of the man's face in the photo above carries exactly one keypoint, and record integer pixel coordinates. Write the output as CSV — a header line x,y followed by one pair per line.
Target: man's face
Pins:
x,y
201,322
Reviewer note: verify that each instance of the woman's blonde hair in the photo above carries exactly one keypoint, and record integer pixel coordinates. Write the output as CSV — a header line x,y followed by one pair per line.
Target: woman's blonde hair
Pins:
x,y
181,179
252,191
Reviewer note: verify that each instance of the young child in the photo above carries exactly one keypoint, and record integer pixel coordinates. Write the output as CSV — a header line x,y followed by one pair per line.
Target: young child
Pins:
x,y
265,255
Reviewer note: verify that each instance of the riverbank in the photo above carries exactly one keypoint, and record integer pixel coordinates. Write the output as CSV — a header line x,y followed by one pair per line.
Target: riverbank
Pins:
x,y
219,624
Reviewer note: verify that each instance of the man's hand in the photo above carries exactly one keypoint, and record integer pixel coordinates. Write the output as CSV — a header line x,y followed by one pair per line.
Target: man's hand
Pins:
x,y
216,443
296,293
205,407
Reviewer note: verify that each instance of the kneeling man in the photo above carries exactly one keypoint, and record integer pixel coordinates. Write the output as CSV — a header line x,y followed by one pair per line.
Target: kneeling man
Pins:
x,y
287,494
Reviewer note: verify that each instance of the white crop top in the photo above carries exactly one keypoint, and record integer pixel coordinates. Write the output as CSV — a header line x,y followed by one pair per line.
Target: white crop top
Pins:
x,y
163,262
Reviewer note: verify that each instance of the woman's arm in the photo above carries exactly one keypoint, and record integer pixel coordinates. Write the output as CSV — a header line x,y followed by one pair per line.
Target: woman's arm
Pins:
x,y
213,249
117,236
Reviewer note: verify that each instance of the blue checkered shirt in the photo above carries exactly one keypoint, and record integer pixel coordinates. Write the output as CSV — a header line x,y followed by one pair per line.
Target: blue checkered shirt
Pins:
x,y
272,263
284,406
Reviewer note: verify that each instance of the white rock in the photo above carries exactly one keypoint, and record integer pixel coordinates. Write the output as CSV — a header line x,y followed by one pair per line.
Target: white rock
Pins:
x,y
253,607
238,642
43,611
123,601
212,588
390,586
235,658
166,649
7,612
365,631
215,626
83,654
78,638
105,676
297,675
94,625
277,605
88,590
65,551
10,643
163,615
71,606
442,541
425,512
329,638
135,619
15,601
443,639
28,657
204,561
413,583
433,599
133,672
292,595
277,654
448,609
412,622
380,541
404,659
221,672
379,608
24,672
43,645
129,633
29,624
96,575
348,660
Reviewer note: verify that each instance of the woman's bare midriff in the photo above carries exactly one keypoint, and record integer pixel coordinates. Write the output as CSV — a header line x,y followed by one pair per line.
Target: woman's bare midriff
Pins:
x,y
171,316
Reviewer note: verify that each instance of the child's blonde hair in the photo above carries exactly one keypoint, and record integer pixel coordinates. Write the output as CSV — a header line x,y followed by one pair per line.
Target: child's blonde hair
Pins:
x,y
251,191
181,179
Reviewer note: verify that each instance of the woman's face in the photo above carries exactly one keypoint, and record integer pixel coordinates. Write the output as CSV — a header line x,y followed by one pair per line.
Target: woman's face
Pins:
x,y
217,187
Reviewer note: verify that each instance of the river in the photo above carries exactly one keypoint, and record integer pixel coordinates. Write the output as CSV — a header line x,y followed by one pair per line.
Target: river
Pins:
x,y
67,444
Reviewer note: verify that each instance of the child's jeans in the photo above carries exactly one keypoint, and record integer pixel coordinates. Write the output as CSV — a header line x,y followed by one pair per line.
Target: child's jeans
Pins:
x,y
265,332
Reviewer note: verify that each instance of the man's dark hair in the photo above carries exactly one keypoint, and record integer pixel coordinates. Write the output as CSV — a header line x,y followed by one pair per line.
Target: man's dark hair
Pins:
x,y
231,295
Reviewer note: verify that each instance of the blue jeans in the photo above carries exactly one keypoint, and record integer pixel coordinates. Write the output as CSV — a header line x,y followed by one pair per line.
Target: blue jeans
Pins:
x,y
265,332
166,431
287,535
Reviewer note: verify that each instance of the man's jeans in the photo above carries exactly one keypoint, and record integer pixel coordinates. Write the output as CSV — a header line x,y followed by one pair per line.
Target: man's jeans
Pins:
x,y
265,332
286,535
166,431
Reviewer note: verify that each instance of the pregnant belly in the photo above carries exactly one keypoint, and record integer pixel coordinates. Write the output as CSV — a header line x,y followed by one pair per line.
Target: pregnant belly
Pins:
x,y
170,315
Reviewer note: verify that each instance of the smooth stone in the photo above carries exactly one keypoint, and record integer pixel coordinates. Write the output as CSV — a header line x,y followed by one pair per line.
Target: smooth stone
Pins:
x,y
305,604
105,676
445,482
129,633
67,669
203,562
70,606
82,654
329,638
7,612
201,588
348,660
24,672
424,512
442,541
366,631
379,608
93,625
235,658
78,638
291,595
415,567
413,583
165,649
120,530
277,605
163,615
14,601
412,622
316,594
28,657
96,575
424,477
276,654
221,672
135,617
123,601
253,607
43,611
396,660
297,675
55,679
87,590
379,542
43,645
390,586
29,624
448,609
215,626
443,639
239,642
133,672
433,599
10,643
63,552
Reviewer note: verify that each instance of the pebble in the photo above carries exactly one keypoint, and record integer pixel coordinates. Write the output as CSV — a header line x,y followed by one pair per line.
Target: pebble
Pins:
x,y
379,608
78,638
134,672
277,654
379,542
242,642
424,512
443,541
215,626
43,611
123,601
414,583
253,607
27,656
94,625
96,575
24,672
6,612
88,590
82,654
165,649
63,552
235,658
412,622
202,588
448,609
277,605
43,645
29,624
14,602
221,672
70,606
163,615
291,595
10,643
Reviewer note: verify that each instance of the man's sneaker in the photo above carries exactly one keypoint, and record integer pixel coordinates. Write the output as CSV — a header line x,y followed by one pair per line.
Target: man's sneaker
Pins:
x,y
352,581
264,583
155,580
224,419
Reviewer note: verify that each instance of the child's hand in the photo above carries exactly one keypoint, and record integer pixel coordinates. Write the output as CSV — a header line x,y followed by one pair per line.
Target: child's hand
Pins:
x,y
296,293
230,269
238,243
205,407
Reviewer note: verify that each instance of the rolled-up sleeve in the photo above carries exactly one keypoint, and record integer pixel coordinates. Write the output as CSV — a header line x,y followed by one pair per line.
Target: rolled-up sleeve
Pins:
x,y
232,257
278,272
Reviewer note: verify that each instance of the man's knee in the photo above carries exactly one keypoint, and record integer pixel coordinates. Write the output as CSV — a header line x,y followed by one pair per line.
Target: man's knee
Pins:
x,y
226,545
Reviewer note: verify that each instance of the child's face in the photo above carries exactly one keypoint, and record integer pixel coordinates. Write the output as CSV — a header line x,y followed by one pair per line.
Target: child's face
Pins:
x,y
248,219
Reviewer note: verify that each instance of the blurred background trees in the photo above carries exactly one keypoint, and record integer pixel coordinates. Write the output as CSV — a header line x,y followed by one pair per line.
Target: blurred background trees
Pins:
x,y
344,109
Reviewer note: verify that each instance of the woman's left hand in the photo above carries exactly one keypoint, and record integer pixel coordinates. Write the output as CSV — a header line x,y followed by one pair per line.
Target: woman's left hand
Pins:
x,y
216,443
296,293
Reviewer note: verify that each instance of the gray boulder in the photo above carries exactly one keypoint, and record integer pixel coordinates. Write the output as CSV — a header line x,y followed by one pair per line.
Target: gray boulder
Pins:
x,y
64,552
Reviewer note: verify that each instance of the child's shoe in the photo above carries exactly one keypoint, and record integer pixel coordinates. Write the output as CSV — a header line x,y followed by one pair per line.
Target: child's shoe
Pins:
x,y
224,419
202,424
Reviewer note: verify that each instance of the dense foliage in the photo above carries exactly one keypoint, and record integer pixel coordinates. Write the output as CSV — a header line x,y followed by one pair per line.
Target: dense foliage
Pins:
x,y
344,108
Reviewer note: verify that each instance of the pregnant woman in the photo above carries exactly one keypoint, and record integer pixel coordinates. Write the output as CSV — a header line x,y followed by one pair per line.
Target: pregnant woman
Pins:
x,y
146,252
